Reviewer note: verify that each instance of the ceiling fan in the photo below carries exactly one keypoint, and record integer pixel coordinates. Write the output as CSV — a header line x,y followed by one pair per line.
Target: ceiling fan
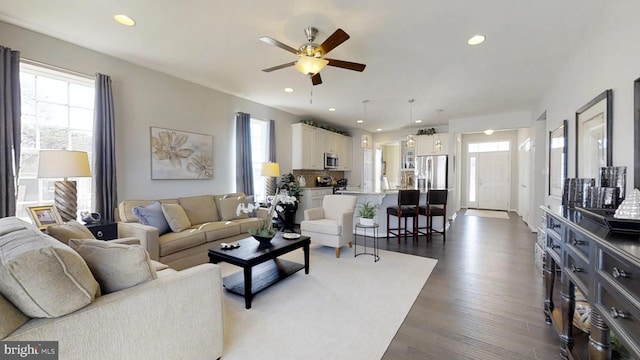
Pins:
x,y
312,58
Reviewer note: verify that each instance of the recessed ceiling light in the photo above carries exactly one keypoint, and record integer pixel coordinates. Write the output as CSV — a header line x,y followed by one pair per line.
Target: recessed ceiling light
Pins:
x,y
418,121
488,131
332,109
288,90
360,121
378,129
124,20
476,40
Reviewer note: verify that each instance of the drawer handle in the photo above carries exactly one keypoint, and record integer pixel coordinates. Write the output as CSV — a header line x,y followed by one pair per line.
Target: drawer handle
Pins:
x,y
621,314
577,242
100,233
575,269
554,246
554,226
617,273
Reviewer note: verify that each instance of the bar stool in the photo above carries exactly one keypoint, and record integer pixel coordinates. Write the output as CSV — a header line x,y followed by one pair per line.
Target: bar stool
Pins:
x,y
408,202
436,206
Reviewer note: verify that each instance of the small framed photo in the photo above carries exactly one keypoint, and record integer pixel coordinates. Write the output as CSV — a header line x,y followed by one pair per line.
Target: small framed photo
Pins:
x,y
44,216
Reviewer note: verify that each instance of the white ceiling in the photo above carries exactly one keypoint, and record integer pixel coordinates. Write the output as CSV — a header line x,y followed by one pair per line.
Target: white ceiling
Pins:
x,y
412,48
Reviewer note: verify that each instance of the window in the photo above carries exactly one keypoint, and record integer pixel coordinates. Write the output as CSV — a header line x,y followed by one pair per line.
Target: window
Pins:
x,y
57,113
259,155
489,147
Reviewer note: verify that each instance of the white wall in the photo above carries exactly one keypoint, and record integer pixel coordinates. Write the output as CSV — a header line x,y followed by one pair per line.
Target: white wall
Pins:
x,y
145,98
608,60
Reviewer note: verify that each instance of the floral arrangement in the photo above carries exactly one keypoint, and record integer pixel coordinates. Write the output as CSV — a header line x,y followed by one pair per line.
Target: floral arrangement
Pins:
x,y
289,183
274,203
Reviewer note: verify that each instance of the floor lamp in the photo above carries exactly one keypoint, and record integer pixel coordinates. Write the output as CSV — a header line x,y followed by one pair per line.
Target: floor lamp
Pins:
x,y
64,164
271,170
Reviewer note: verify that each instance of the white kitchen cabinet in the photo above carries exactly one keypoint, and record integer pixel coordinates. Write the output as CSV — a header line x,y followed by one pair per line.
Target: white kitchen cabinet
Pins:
x,y
426,144
306,146
346,156
311,197
309,143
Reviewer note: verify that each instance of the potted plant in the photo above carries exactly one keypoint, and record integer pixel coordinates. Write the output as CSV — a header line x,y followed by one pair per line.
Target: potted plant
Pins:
x,y
289,185
367,212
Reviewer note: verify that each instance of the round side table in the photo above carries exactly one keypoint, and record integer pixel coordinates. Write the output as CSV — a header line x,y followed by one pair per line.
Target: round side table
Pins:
x,y
374,234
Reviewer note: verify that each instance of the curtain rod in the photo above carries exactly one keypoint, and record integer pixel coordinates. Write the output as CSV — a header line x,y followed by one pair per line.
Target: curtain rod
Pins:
x,y
56,68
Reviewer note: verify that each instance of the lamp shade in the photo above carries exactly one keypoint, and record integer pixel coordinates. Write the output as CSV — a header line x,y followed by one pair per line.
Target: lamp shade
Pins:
x,y
63,164
270,169
310,65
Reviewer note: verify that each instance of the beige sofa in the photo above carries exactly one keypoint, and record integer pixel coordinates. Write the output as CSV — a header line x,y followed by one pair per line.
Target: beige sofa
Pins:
x,y
47,293
213,220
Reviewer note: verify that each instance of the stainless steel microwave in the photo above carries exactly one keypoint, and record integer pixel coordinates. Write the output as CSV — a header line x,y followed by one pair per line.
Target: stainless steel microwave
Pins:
x,y
330,161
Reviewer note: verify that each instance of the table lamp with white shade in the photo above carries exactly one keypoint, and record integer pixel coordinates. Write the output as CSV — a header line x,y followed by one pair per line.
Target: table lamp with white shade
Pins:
x,y
271,170
64,164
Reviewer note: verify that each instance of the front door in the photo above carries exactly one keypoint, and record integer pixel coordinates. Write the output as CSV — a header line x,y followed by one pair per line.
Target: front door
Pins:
x,y
493,180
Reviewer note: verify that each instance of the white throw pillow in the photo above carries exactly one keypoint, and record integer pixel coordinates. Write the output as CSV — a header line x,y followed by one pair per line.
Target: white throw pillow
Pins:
x,y
176,217
115,266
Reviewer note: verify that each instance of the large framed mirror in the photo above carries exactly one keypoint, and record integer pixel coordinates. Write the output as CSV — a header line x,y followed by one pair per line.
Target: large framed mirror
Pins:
x,y
594,124
557,158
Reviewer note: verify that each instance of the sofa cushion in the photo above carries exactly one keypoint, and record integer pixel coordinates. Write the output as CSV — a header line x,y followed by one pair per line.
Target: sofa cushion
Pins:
x,y
12,318
69,230
324,226
170,243
40,275
152,215
249,223
200,209
218,230
115,266
176,217
217,198
125,208
229,208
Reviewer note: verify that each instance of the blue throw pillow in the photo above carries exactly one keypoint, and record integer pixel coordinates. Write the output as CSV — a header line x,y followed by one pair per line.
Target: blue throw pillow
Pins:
x,y
152,215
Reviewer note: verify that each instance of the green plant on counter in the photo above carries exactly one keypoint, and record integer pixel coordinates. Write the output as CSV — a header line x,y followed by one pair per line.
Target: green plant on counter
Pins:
x,y
426,131
367,211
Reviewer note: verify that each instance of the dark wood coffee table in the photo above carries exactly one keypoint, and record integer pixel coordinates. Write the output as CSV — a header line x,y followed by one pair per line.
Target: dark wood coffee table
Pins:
x,y
261,266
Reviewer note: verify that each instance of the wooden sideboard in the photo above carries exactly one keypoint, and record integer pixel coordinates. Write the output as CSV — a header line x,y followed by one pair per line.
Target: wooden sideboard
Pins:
x,y
605,267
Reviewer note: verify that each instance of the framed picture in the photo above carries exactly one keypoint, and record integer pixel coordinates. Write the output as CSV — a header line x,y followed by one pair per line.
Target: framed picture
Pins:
x,y
557,158
180,155
44,215
594,123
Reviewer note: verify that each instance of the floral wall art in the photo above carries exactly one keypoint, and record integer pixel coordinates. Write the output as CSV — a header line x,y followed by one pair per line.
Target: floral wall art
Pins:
x,y
180,155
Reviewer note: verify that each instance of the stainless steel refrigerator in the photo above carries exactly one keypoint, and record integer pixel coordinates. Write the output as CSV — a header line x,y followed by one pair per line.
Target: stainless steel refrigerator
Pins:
x,y
431,172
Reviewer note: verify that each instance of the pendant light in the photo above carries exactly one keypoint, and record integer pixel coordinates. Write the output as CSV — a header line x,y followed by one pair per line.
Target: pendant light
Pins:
x,y
364,139
411,141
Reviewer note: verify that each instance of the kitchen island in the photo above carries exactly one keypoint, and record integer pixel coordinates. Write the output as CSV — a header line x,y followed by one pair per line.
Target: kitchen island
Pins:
x,y
383,200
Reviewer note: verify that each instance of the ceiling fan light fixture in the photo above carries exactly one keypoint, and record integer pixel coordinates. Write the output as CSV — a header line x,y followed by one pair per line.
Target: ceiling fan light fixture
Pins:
x,y
310,65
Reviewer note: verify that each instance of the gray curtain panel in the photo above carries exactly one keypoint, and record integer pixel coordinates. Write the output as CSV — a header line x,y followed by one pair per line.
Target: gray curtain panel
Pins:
x,y
10,129
272,141
244,168
104,151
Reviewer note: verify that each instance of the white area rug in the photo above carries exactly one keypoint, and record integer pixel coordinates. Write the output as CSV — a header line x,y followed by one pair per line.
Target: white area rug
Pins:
x,y
347,308
487,213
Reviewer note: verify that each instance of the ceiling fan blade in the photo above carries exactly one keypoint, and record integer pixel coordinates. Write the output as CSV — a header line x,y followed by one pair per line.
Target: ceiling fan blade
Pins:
x,y
316,80
279,67
337,38
346,65
274,42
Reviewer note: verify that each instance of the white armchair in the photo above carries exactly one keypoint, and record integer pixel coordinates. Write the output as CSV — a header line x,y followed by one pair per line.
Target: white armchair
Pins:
x,y
331,224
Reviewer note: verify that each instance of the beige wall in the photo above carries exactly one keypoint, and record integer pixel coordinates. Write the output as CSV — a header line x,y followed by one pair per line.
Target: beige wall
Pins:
x,y
145,98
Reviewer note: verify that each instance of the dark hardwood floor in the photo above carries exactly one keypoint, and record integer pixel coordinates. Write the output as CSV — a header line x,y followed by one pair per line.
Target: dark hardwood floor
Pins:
x,y
484,299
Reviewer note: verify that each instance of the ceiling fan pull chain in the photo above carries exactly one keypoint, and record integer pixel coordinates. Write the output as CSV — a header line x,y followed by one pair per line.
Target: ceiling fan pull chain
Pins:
x,y
311,98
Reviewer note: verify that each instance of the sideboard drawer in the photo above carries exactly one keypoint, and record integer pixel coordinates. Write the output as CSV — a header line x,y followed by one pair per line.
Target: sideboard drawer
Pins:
x,y
578,242
577,269
554,225
619,310
620,271
554,246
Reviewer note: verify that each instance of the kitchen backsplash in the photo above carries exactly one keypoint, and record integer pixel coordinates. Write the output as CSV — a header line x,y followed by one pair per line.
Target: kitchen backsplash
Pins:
x,y
311,175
